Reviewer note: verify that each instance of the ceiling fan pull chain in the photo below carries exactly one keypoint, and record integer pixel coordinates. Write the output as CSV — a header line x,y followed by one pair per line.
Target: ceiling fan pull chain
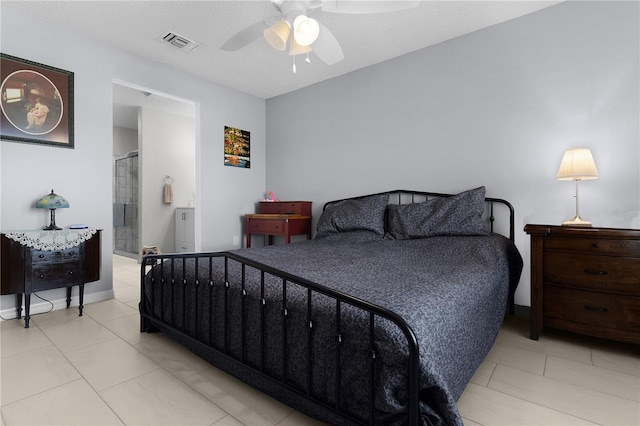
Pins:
x,y
307,59
294,64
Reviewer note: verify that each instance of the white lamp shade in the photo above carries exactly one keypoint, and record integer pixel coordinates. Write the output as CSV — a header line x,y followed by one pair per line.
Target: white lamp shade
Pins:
x,y
278,34
296,49
577,164
305,30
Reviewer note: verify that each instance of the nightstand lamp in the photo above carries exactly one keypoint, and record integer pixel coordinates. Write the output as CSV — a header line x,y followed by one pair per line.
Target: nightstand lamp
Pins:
x,y
577,164
52,202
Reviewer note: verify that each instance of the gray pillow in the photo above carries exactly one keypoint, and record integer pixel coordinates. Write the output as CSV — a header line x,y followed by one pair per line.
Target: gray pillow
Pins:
x,y
355,214
459,214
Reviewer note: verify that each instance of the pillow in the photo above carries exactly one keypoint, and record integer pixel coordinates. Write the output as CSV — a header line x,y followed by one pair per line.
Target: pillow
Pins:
x,y
460,214
355,214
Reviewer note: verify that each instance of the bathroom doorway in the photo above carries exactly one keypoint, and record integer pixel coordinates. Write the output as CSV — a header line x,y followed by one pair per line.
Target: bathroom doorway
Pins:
x,y
132,107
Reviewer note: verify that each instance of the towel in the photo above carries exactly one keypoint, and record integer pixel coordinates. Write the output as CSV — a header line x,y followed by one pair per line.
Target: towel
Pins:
x,y
168,193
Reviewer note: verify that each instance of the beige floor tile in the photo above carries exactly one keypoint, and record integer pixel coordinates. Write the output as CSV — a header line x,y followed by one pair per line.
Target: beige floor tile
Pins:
x,y
15,339
228,421
592,377
173,356
108,310
128,275
513,356
108,363
28,373
489,407
515,332
158,398
74,403
78,334
467,422
574,400
56,317
127,328
125,292
298,419
483,373
625,359
243,402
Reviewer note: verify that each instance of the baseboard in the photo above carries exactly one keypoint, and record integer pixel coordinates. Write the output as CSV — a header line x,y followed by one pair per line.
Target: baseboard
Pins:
x,y
39,306
522,311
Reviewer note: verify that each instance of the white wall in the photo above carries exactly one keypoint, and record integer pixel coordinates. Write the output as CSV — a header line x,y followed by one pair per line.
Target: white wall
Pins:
x,y
83,174
496,107
124,141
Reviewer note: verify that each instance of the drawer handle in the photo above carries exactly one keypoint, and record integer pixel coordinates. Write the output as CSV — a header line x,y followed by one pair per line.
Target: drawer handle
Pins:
x,y
590,272
596,309
41,256
41,276
596,245
71,253
70,272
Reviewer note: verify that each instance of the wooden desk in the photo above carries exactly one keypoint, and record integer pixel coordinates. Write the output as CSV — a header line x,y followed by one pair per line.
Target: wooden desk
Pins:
x,y
26,269
277,224
285,218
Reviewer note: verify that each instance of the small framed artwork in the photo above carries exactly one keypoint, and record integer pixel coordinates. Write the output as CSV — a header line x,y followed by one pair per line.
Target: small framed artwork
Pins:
x,y
237,147
37,103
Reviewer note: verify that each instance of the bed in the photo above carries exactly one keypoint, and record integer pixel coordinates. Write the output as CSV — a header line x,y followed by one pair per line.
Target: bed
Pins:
x,y
383,318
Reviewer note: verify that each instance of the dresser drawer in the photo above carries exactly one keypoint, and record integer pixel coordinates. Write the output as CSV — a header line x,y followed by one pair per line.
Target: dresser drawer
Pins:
x,y
592,308
267,226
46,257
606,273
302,208
48,276
594,246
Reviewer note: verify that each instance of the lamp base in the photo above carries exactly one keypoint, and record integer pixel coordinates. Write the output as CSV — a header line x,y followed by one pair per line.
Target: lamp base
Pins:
x,y
52,225
577,221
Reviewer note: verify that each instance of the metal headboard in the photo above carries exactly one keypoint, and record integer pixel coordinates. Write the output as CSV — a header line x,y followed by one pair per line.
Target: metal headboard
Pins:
x,y
403,196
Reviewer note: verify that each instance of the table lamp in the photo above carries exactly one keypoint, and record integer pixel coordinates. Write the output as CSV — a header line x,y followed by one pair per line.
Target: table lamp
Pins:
x,y
577,164
52,202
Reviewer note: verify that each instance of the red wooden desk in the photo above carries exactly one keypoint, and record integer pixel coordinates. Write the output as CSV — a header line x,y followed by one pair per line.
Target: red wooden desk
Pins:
x,y
277,224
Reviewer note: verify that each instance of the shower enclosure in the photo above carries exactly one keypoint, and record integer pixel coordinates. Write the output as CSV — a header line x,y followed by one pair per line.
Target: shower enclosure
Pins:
x,y
125,205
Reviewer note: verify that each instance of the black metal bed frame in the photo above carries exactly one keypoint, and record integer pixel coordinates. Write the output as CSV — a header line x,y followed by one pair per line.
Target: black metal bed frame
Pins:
x,y
257,376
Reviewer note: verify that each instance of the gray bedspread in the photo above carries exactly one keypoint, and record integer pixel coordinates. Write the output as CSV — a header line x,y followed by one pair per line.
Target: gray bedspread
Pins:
x,y
452,291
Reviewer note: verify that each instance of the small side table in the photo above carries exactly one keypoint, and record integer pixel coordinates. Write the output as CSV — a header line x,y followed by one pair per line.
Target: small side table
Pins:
x,y
277,224
43,260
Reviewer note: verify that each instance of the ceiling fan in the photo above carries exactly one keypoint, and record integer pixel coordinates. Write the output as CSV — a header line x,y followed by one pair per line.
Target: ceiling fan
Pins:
x,y
292,26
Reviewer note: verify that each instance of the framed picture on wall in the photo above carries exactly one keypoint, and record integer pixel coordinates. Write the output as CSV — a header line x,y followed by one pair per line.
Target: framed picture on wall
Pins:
x,y
37,103
237,147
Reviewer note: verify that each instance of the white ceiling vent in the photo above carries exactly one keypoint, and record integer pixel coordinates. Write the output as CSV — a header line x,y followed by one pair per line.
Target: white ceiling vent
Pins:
x,y
180,42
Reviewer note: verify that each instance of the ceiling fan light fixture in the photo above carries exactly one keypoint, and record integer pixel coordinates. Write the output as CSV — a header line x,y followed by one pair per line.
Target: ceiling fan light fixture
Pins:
x,y
278,34
305,30
296,49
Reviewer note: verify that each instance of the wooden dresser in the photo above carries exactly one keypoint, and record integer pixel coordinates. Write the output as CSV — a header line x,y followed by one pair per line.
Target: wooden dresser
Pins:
x,y
285,218
26,270
585,280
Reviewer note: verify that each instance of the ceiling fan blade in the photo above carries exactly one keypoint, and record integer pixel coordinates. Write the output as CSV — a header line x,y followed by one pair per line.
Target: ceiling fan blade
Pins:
x,y
327,47
364,6
246,36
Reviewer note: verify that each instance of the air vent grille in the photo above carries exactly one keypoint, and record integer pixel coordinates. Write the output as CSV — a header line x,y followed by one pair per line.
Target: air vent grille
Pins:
x,y
180,42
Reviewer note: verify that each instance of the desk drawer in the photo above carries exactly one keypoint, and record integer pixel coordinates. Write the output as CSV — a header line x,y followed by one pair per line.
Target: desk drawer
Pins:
x,y
607,273
267,226
592,308
594,246
48,276
45,256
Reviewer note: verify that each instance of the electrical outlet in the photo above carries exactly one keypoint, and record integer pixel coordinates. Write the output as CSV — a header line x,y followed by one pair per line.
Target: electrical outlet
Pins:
x,y
236,240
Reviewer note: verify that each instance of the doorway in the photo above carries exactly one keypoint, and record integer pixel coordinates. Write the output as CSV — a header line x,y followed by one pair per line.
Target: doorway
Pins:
x,y
140,217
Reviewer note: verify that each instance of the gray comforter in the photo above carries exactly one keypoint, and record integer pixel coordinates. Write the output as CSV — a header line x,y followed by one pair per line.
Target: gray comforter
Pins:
x,y
452,291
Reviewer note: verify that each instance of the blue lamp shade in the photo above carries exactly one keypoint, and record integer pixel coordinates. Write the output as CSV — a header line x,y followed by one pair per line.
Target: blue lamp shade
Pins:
x,y
52,202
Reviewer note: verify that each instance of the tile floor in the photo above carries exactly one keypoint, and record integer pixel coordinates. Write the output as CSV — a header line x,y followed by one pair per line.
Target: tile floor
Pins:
x,y
100,370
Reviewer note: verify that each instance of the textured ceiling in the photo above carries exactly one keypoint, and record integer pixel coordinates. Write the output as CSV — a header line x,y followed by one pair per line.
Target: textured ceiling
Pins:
x,y
258,69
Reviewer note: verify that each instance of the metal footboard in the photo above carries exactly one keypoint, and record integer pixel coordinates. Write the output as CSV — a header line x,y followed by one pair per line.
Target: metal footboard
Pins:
x,y
168,275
